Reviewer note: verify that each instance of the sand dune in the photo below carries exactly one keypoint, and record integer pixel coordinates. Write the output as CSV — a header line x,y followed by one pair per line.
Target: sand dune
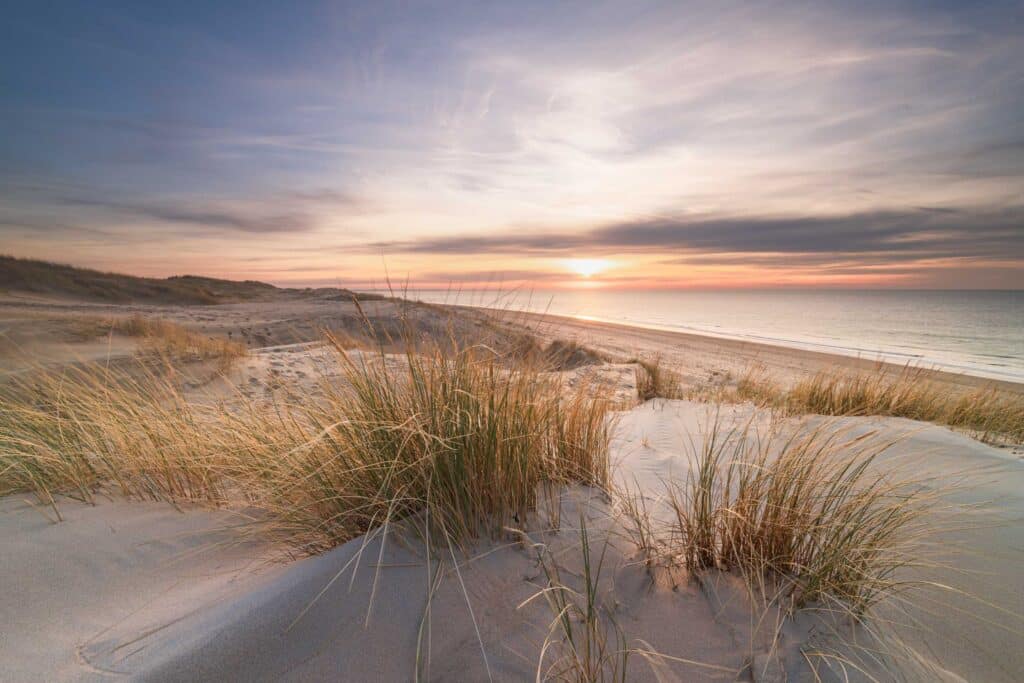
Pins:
x,y
144,591
141,590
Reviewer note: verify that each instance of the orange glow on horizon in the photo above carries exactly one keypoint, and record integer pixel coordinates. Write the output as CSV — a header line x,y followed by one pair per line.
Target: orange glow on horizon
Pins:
x,y
587,267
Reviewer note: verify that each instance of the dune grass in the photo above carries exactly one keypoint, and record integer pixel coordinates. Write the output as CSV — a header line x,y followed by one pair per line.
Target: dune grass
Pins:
x,y
462,439
55,279
156,337
71,430
989,413
584,642
458,444
654,380
809,513
909,393
170,340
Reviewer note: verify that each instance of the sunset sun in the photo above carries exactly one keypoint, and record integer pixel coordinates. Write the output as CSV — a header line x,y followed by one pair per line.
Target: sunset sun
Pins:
x,y
587,267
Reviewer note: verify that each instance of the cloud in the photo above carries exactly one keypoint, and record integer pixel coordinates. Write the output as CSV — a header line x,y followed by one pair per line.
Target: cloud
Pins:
x,y
204,217
885,235
811,145
495,277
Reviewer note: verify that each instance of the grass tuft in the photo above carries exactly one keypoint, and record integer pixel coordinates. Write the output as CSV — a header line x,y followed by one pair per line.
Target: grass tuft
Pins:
x,y
462,439
71,430
908,393
170,340
810,512
653,380
990,414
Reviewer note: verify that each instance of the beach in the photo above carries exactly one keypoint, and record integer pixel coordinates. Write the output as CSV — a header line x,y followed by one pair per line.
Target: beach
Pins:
x,y
673,342
703,357
152,591
699,357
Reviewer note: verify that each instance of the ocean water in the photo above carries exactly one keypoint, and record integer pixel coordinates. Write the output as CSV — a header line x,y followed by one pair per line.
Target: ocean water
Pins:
x,y
973,332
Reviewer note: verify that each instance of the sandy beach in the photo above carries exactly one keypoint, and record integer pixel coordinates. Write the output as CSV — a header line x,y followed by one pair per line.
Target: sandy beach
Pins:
x,y
701,359
704,358
148,591
484,342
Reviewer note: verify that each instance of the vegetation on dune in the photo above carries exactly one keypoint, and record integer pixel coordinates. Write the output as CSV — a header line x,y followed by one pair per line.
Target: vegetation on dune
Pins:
x,y
809,512
584,641
569,354
42,277
458,442
654,380
170,340
463,439
989,413
908,393
69,431
157,337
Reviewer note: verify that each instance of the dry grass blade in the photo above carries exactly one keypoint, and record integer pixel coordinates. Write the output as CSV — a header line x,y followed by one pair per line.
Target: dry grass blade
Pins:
x,y
810,513
584,642
653,380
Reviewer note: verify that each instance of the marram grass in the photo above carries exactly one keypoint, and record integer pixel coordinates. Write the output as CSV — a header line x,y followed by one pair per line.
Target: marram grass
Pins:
x,y
462,438
908,393
990,413
812,513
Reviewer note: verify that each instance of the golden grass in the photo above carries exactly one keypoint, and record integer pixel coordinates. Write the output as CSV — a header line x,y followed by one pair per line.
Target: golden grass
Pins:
x,y
654,380
461,440
71,430
987,412
909,393
156,337
460,444
810,513
177,342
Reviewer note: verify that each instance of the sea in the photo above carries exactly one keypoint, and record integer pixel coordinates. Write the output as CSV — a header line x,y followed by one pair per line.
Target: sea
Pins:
x,y
975,332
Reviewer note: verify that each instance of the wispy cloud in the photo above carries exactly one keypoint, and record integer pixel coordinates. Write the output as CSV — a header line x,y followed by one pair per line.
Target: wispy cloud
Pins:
x,y
206,218
698,130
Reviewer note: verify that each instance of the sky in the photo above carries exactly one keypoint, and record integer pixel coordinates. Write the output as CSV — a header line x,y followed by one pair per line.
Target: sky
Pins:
x,y
564,144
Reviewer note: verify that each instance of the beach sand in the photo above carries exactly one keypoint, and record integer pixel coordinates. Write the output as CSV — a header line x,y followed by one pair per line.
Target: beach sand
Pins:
x,y
148,592
42,325
704,358
145,591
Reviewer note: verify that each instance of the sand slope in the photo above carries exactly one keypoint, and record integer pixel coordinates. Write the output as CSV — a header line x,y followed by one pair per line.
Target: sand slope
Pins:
x,y
979,544
143,591
86,607
65,586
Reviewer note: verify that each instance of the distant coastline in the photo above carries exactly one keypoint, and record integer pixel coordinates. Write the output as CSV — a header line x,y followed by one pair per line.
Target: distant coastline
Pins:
x,y
982,329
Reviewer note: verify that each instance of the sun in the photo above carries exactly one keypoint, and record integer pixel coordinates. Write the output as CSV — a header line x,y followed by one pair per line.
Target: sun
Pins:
x,y
587,267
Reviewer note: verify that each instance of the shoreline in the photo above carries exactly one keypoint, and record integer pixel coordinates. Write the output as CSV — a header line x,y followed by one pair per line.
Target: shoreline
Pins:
x,y
702,356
